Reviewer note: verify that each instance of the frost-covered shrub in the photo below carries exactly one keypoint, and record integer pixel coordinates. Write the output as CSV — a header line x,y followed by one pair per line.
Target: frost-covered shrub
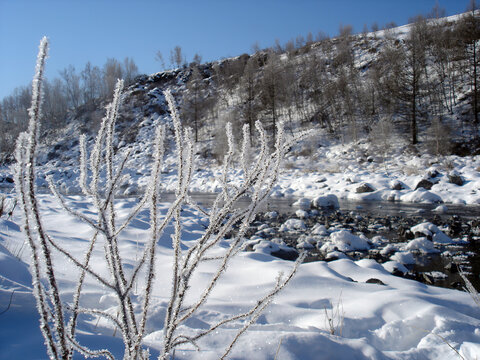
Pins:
x,y
101,175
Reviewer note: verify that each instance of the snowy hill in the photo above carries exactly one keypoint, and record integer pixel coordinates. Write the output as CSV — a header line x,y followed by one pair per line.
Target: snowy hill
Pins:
x,y
339,87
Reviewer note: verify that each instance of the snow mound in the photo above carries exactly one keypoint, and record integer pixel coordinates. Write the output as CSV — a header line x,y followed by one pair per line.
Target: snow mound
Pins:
x,y
422,245
319,229
293,225
344,240
402,319
422,196
403,257
392,266
431,231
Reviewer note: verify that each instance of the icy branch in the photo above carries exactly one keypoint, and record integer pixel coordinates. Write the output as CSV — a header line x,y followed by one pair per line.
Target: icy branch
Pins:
x,y
100,174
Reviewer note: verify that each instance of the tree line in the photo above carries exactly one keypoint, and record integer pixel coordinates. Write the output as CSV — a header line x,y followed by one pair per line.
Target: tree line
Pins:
x,y
419,83
72,90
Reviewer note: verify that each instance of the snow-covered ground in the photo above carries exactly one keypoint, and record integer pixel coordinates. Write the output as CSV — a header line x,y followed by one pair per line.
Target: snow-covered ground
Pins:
x,y
328,311
332,168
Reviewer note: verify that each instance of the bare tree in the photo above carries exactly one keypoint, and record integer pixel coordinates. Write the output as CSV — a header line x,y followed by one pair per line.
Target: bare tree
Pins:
x,y
194,100
72,85
248,92
197,59
159,58
130,70
272,88
176,57
92,83
469,32
112,71
55,106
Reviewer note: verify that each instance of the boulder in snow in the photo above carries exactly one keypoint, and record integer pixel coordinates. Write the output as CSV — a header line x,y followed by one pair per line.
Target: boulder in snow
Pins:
x,y
425,184
432,232
397,185
455,178
364,188
422,245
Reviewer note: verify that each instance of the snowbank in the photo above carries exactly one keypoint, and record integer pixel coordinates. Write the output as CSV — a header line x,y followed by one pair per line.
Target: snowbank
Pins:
x,y
401,319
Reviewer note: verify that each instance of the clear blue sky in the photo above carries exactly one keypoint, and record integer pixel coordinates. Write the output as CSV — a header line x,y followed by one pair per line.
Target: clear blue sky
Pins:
x,y
94,30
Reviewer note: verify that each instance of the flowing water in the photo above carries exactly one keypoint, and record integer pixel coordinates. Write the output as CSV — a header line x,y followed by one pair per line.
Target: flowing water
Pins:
x,y
436,269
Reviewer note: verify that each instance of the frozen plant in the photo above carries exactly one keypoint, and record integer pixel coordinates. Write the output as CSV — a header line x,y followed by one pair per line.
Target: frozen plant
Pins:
x,y
59,318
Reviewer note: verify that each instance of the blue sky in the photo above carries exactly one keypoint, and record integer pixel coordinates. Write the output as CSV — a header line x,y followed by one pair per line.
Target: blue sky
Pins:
x,y
94,30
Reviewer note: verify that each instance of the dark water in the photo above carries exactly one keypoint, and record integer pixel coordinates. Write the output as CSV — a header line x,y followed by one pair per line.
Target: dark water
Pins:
x,y
409,209
379,208
467,256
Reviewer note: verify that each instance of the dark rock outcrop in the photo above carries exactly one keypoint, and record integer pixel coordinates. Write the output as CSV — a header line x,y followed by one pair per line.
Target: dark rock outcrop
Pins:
x,y
424,183
364,188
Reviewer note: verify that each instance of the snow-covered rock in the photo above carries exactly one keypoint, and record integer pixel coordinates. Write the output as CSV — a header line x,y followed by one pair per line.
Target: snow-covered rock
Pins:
x,y
431,231
345,241
329,201
293,225
403,257
422,245
422,196
319,229
302,204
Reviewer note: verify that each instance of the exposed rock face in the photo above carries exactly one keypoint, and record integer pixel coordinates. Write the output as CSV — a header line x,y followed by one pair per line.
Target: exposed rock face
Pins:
x,y
424,183
364,188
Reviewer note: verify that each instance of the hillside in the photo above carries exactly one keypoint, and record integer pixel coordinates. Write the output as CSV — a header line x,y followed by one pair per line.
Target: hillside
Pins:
x,y
356,91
